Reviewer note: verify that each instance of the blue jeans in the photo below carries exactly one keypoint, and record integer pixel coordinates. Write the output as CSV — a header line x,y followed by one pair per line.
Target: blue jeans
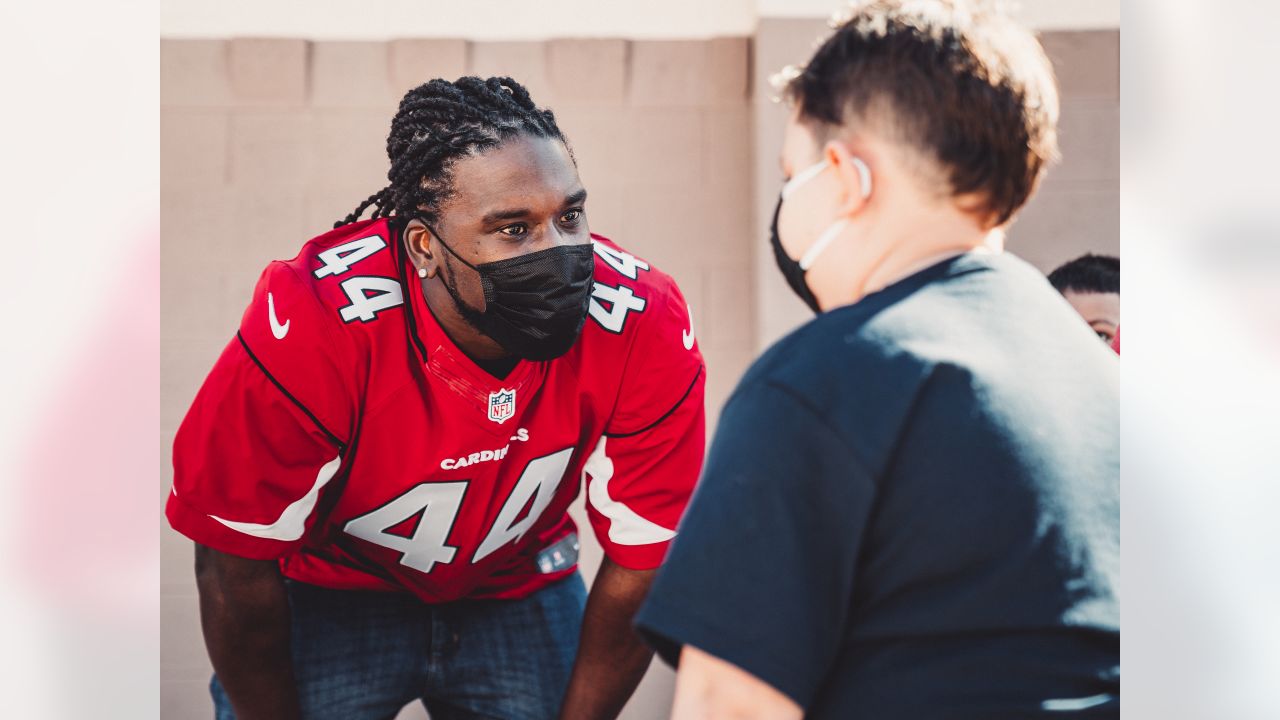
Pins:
x,y
365,655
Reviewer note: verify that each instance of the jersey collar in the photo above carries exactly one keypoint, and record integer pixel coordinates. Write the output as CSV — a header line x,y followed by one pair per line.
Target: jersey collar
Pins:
x,y
444,360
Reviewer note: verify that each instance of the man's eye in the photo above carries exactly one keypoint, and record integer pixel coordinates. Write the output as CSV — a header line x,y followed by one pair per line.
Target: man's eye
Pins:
x,y
572,216
517,230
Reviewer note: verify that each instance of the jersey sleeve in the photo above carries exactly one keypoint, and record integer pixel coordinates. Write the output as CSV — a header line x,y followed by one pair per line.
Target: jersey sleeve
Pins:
x,y
267,430
762,574
643,470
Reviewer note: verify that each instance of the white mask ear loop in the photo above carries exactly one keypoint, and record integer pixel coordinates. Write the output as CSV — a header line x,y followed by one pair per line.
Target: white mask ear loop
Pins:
x,y
822,242
803,177
864,175
832,232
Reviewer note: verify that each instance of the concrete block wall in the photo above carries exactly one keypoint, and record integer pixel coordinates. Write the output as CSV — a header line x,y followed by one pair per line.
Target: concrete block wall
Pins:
x,y
266,142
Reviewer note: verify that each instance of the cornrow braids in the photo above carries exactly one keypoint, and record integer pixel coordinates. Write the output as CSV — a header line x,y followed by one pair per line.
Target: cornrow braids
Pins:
x,y
438,123
375,200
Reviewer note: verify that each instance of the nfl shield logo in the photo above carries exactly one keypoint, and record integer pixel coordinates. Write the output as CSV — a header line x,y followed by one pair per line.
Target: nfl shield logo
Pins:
x,y
502,405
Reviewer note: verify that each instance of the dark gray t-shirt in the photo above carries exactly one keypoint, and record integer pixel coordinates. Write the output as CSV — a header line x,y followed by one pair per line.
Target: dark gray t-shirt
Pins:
x,y
911,509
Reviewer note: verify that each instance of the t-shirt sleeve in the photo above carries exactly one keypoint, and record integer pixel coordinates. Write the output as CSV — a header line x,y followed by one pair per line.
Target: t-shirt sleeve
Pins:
x,y
762,573
267,430
642,471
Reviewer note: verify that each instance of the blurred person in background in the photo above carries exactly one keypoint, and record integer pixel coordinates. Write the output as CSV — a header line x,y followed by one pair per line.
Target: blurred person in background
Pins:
x,y
378,469
911,505
1091,284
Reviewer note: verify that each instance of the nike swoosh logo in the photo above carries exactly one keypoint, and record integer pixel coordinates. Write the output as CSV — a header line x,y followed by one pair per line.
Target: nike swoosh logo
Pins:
x,y
276,328
687,335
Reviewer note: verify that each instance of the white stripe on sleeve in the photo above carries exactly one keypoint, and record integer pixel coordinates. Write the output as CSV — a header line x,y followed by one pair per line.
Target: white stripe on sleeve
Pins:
x,y
625,526
293,521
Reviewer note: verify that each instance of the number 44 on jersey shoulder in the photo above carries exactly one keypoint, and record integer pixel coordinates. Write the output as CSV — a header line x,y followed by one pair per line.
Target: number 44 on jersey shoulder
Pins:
x,y
620,300
368,294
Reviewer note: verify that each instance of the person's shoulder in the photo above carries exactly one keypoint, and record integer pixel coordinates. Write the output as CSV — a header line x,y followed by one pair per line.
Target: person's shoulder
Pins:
x,y
633,297
849,371
852,341
839,362
919,321
639,338
345,265
993,277
946,314
984,312
615,265
322,304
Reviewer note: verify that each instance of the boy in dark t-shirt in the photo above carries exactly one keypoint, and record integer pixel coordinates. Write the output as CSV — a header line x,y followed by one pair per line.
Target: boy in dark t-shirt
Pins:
x,y
911,508
911,505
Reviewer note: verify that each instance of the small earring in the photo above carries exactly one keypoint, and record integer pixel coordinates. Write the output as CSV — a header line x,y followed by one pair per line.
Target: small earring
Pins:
x,y
422,272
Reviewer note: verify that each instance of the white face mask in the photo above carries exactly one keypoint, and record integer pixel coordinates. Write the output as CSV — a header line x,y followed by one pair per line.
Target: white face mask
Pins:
x,y
833,231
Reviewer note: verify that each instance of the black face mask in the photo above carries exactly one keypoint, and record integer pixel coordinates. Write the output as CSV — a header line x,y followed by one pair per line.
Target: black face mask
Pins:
x,y
535,304
790,267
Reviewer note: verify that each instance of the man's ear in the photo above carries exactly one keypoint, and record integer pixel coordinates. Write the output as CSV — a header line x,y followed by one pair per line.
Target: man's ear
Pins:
x,y
853,173
417,240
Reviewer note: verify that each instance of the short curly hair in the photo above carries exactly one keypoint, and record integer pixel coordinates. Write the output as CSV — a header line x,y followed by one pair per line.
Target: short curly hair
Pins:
x,y
956,80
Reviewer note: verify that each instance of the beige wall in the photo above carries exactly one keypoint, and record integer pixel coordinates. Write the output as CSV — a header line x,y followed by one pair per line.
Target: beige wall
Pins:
x,y
264,143
1037,14
488,20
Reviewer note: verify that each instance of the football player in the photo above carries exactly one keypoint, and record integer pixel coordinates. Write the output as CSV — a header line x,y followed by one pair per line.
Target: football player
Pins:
x,y
378,468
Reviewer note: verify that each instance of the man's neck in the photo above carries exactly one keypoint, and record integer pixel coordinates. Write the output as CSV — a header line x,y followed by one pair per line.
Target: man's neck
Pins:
x,y
474,344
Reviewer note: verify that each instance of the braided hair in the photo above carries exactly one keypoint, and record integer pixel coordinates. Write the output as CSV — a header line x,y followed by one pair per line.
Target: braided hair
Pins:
x,y
440,122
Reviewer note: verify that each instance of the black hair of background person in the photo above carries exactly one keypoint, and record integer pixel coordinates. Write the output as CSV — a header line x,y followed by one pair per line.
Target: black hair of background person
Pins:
x,y
1088,273
441,121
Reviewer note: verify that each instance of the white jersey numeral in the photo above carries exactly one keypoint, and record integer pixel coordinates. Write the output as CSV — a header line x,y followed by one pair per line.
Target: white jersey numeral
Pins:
x,y
621,301
339,259
623,262
364,306
542,476
435,505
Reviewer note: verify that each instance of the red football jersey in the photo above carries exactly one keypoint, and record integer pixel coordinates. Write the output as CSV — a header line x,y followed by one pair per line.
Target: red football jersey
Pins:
x,y
344,433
